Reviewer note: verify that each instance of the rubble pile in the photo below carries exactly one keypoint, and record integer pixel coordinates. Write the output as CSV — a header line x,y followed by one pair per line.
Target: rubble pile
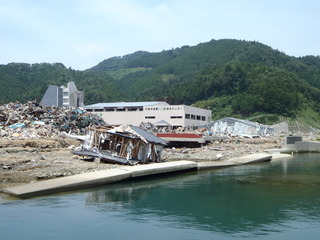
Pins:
x,y
149,127
31,120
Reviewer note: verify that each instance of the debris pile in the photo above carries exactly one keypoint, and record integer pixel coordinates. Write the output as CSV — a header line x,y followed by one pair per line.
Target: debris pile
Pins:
x,y
124,144
31,120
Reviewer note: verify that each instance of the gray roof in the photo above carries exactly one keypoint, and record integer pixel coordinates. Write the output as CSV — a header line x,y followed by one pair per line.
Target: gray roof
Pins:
x,y
148,136
124,104
162,123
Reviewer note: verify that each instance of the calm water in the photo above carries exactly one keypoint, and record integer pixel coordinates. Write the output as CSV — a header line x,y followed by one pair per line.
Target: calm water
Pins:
x,y
278,200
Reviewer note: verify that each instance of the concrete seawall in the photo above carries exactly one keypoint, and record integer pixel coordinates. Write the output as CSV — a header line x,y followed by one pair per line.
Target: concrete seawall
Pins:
x,y
295,144
123,173
307,146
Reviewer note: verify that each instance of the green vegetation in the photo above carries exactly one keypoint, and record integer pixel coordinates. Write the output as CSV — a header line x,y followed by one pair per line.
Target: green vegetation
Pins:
x,y
23,82
231,77
120,73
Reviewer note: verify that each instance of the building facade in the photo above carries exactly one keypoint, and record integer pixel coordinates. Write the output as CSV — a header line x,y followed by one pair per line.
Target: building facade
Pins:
x,y
160,114
71,96
63,96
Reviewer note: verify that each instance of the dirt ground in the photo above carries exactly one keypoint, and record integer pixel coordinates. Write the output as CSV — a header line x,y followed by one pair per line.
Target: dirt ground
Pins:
x,y
24,161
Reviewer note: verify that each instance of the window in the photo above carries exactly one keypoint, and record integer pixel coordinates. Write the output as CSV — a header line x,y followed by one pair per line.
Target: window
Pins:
x,y
121,110
193,117
109,109
198,117
187,116
203,118
150,117
174,117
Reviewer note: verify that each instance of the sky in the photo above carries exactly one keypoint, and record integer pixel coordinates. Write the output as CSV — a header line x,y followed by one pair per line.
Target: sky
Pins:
x,y
82,33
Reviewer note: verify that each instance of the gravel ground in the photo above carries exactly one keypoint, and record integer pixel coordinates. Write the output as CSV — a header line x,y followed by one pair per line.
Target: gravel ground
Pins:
x,y
24,161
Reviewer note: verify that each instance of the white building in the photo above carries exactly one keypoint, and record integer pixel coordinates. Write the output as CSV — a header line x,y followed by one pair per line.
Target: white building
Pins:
x,y
71,96
157,113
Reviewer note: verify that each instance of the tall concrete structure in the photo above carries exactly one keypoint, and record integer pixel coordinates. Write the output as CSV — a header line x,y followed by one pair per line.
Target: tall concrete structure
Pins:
x,y
52,97
63,96
72,97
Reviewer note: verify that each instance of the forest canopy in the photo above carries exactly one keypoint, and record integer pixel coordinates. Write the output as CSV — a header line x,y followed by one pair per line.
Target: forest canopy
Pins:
x,y
227,76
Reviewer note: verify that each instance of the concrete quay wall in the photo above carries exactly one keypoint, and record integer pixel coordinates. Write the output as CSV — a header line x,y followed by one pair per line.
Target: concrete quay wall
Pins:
x,y
122,173
91,179
307,146
296,144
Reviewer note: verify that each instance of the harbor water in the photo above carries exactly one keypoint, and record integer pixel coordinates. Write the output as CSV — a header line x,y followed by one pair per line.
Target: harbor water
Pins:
x,y
273,200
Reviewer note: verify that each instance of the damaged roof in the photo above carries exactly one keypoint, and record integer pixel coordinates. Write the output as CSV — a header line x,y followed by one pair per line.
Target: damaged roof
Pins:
x,y
137,131
148,136
231,121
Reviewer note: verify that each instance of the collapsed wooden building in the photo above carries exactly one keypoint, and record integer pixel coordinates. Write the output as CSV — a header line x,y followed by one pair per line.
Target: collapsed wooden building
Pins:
x,y
125,144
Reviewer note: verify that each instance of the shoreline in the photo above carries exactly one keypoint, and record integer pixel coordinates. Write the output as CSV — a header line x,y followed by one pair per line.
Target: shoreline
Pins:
x,y
32,160
92,179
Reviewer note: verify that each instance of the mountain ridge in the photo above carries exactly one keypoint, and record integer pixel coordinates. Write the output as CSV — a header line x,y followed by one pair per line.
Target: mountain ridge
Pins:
x,y
242,77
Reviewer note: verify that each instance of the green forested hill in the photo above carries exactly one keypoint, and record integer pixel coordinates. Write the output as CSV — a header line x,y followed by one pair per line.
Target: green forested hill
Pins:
x,y
23,82
231,77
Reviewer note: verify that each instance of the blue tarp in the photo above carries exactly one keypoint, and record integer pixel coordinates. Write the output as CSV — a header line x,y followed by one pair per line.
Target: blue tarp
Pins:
x,y
17,125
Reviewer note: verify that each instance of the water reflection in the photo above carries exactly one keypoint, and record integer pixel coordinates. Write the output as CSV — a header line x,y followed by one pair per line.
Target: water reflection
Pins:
x,y
256,198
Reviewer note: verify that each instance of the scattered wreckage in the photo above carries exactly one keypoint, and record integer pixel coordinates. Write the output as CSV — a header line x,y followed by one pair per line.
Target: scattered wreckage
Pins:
x,y
31,120
125,145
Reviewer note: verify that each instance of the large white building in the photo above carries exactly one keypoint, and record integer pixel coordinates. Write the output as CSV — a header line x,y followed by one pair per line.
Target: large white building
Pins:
x,y
157,113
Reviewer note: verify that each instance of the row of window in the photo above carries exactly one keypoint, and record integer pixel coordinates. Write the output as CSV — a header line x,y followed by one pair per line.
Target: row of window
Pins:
x,y
195,117
115,110
188,116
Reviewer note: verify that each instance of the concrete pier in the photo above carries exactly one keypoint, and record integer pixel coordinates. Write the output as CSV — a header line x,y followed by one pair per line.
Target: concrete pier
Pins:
x,y
253,158
86,180
159,168
68,183
122,173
